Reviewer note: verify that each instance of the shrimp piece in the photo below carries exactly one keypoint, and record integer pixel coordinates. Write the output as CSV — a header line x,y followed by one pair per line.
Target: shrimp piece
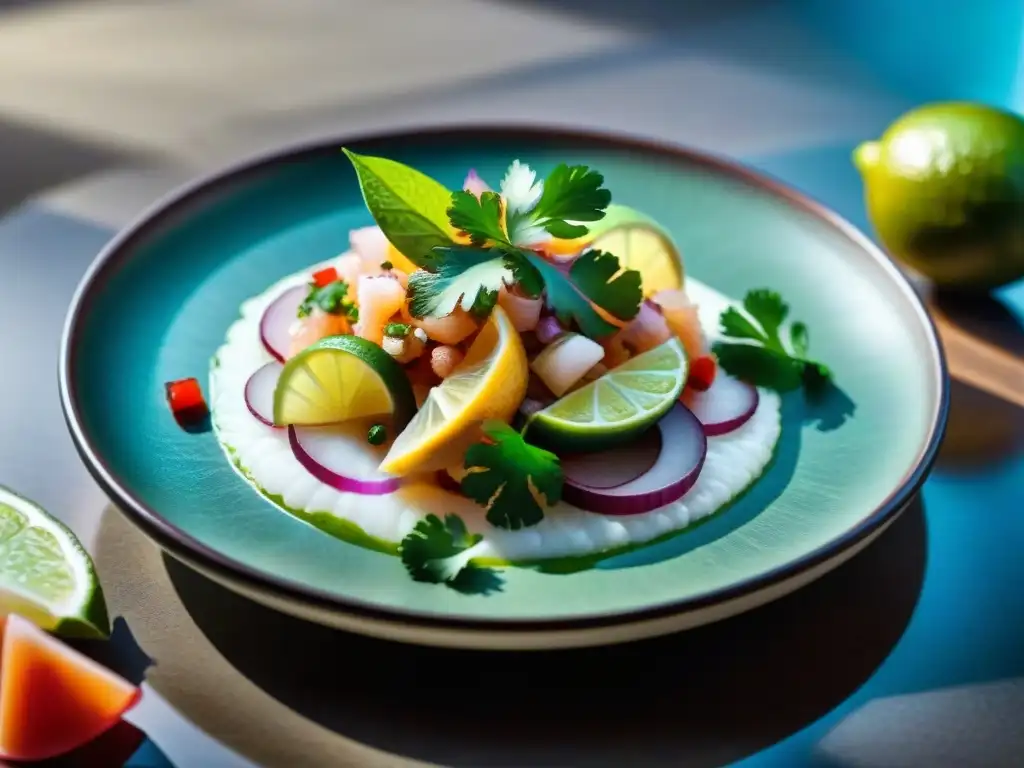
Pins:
x,y
370,244
522,311
450,329
315,326
379,298
444,360
350,269
644,332
681,316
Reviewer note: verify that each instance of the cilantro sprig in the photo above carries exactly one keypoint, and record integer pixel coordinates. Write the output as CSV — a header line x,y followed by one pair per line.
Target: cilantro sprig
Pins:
x,y
572,194
511,478
503,230
762,349
440,551
331,298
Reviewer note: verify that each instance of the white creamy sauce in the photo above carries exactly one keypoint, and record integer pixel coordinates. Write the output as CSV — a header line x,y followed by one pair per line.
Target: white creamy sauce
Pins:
x,y
733,462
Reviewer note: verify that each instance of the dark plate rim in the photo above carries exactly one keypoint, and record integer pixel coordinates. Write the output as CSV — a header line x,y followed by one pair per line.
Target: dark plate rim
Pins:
x,y
179,543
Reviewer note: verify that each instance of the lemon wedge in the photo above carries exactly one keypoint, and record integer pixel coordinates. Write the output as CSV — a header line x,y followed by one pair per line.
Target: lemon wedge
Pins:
x,y
489,384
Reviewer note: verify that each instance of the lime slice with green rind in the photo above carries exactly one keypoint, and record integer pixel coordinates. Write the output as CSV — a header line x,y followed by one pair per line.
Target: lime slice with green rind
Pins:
x,y
616,408
340,378
45,573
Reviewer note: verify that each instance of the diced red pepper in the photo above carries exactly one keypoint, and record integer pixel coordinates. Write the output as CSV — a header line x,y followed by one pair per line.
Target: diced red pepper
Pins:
x,y
325,277
186,400
702,373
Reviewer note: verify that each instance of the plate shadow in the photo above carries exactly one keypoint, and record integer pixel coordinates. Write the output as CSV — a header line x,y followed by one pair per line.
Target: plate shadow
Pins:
x,y
703,698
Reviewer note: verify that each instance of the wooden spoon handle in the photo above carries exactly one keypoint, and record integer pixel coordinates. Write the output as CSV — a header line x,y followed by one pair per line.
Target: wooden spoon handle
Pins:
x,y
981,364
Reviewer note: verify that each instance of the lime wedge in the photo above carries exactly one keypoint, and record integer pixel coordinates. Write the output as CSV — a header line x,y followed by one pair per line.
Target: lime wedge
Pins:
x,y
340,378
45,573
617,407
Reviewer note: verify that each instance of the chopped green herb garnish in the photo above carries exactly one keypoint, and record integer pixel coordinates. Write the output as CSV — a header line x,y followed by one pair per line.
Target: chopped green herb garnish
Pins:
x,y
377,434
397,330
387,266
437,551
510,477
759,354
331,298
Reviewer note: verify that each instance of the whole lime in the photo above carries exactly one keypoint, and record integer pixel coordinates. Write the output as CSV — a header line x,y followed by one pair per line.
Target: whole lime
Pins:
x,y
944,188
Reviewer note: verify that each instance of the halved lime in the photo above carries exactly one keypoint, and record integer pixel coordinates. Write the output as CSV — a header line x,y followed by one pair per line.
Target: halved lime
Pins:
x,y
45,573
617,407
340,378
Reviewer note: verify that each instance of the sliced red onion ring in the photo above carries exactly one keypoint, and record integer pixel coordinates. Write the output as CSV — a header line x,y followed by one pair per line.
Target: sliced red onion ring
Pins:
x,y
726,405
259,392
340,457
683,448
277,321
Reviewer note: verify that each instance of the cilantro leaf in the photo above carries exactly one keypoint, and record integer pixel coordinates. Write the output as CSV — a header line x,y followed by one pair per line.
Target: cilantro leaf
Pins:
x,y
408,206
509,477
527,276
759,354
331,298
569,292
466,277
572,194
799,339
768,308
479,218
601,279
437,551
736,325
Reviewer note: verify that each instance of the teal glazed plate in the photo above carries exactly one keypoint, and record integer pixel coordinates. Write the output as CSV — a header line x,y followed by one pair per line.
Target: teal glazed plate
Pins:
x,y
157,303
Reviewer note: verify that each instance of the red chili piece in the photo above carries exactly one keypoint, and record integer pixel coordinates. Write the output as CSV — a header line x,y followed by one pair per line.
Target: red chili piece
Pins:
x,y
702,373
186,400
325,277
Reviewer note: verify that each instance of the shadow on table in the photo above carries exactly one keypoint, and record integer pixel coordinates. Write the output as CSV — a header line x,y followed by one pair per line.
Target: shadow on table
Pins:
x,y
983,429
706,697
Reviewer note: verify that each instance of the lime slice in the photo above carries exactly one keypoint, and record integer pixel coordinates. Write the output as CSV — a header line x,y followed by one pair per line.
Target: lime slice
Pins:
x,y
340,378
617,407
45,573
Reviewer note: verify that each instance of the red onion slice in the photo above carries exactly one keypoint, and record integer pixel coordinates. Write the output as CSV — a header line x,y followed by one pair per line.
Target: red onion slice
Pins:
x,y
277,321
259,392
603,471
727,405
339,456
678,464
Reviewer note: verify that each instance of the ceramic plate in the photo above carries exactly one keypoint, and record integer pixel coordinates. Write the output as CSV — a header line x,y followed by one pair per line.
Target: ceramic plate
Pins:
x,y
157,303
